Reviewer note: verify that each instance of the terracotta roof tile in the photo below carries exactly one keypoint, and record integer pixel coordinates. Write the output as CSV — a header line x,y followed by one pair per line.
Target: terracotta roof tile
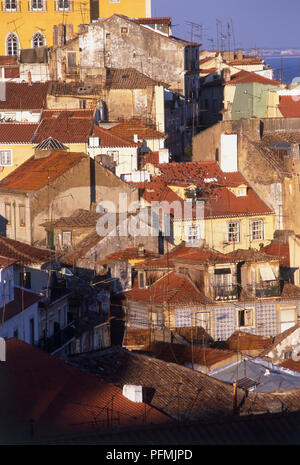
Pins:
x,y
240,340
251,255
155,20
37,173
279,250
22,96
23,299
244,77
289,106
79,218
128,78
219,200
65,126
279,338
61,399
17,133
171,289
129,254
129,128
109,139
23,253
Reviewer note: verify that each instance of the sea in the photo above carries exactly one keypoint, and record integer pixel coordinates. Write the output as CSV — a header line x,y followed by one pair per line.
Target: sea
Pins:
x,y
286,68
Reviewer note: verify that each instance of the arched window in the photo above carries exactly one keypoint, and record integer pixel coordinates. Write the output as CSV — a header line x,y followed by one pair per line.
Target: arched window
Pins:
x,y
12,44
38,40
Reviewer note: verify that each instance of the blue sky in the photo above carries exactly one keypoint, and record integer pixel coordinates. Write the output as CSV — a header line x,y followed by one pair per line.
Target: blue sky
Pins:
x,y
256,23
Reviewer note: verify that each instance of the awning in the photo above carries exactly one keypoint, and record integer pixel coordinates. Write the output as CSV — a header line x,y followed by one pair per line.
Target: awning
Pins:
x,y
266,273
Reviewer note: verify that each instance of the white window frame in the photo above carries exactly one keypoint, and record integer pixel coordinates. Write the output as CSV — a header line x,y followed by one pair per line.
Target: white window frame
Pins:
x,y
68,8
37,8
10,9
12,35
69,241
38,33
193,233
22,225
7,208
253,231
115,154
4,155
233,233
246,309
205,321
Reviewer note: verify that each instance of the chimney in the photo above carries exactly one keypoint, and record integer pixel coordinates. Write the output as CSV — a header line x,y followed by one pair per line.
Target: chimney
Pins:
x,y
133,392
29,78
226,74
239,54
135,138
141,250
2,91
55,36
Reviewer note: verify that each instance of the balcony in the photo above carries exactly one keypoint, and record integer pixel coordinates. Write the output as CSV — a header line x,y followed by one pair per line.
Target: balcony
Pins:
x,y
265,289
223,293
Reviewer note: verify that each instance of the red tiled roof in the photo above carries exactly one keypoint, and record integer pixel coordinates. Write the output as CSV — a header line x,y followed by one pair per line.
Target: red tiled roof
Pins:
x,y
172,289
7,60
23,299
150,157
129,78
246,341
158,20
65,126
37,173
244,77
291,364
22,96
17,133
251,255
129,128
60,399
186,254
219,200
129,254
109,139
79,218
279,250
23,253
289,106
5,261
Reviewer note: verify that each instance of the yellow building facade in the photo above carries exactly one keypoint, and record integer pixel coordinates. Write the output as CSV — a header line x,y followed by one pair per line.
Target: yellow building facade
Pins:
x,y
29,23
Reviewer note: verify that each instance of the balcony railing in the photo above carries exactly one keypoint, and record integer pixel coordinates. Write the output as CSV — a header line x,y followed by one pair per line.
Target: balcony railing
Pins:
x,y
265,289
223,293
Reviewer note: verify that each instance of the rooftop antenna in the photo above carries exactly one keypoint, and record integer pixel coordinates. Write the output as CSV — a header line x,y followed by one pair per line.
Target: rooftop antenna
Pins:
x,y
233,37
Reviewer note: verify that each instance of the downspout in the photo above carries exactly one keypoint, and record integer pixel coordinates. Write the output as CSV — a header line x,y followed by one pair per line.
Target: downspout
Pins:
x,y
15,224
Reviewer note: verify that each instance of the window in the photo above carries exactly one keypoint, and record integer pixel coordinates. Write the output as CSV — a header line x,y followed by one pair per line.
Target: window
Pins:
x,y
62,5
10,5
25,279
72,62
8,213
37,5
82,104
142,279
6,157
38,40
12,44
114,1
257,230
124,30
193,234
22,215
66,238
203,319
234,232
245,317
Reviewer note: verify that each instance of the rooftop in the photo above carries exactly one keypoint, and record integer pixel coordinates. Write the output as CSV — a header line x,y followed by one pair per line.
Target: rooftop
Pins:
x,y
289,106
23,253
59,399
279,250
240,340
79,218
34,173
129,78
172,289
251,255
17,133
129,128
244,77
23,299
24,96
109,139
65,125
129,254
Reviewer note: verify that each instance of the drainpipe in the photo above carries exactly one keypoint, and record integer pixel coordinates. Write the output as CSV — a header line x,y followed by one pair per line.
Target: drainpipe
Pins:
x,y
15,224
